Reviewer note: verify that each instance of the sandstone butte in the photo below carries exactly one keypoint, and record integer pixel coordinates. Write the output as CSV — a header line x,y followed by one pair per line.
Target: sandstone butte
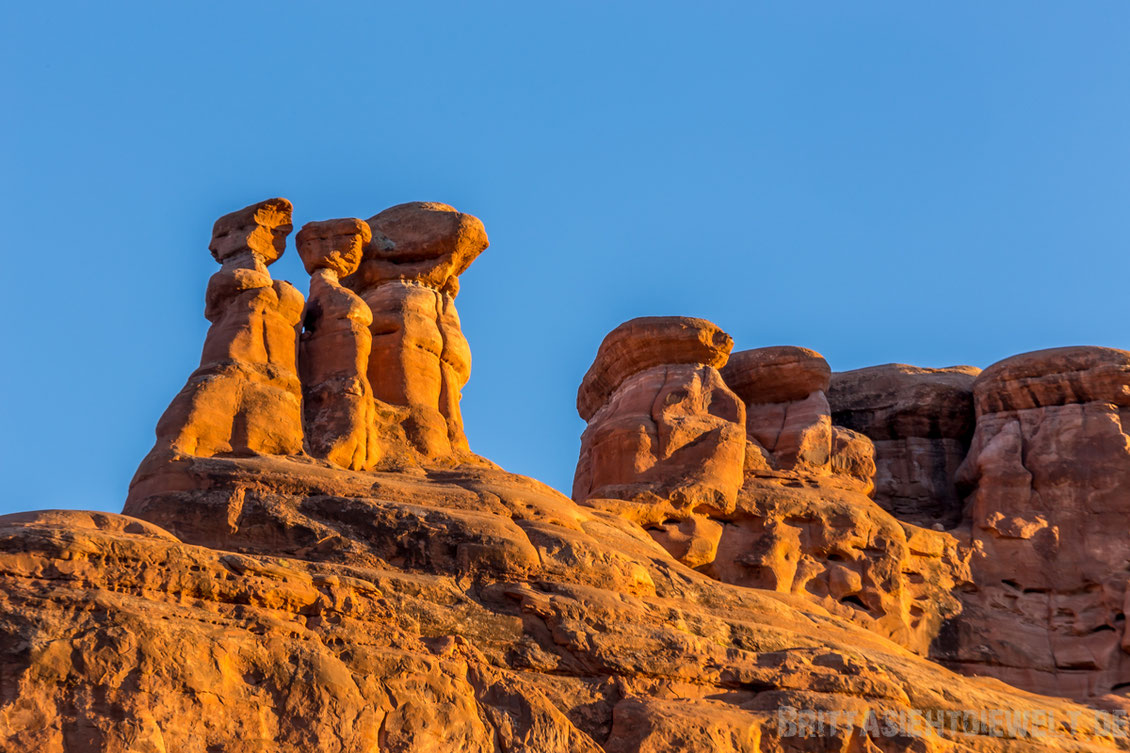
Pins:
x,y
312,559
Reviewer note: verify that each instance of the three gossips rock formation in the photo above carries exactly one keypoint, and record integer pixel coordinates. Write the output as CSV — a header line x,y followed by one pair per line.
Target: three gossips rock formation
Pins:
x,y
311,557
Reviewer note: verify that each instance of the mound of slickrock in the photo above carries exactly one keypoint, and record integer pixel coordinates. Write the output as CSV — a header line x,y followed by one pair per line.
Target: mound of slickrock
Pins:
x,y
760,555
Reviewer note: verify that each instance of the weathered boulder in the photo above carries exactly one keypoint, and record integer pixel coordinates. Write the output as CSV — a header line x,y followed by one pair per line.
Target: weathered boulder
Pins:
x,y
921,421
408,277
245,396
803,523
667,428
1048,474
339,409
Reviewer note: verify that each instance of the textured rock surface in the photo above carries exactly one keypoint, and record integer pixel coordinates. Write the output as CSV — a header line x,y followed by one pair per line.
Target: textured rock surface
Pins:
x,y
788,422
339,408
921,422
245,398
408,277
668,428
307,608
726,566
790,512
1049,480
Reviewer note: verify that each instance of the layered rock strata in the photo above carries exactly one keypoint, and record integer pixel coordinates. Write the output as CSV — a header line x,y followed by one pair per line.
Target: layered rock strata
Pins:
x,y
299,607
1048,476
661,422
921,422
726,571
369,372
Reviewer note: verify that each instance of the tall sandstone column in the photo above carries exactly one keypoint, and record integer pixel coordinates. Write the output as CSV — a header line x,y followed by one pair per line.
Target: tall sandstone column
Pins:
x,y
409,277
336,342
245,397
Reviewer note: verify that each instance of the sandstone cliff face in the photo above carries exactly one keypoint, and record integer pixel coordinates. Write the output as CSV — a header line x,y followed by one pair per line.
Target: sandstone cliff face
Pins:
x,y
312,559
1049,479
921,422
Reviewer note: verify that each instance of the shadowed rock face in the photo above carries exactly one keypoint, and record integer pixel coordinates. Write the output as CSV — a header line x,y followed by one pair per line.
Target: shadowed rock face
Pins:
x,y
1048,474
921,422
310,566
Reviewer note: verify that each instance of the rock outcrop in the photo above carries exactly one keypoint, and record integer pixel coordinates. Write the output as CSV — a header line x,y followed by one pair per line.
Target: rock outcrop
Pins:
x,y
768,494
320,564
368,373
662,423
921,422
409,277
245,398
325,610
1048,476
339,408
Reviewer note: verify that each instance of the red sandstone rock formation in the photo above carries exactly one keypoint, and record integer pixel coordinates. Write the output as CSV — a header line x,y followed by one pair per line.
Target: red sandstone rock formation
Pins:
x,y
409,277
781,505
245,398
921,422
662,423
1049,480
726,568
339,409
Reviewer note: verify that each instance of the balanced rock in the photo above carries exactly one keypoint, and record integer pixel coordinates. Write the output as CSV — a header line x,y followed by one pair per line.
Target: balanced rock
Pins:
x,y
408,276
1048,476
245,397
661,422
921,421
339,410
421,241
779,374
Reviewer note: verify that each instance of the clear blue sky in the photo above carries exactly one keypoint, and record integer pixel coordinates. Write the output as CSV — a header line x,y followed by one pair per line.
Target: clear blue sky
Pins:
x,y
932,183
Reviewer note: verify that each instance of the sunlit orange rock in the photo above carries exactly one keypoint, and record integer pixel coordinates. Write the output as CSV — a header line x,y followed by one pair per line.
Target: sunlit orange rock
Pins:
x,y
716,576
667,427
245,397
340,413
408,277
787,416
793,515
